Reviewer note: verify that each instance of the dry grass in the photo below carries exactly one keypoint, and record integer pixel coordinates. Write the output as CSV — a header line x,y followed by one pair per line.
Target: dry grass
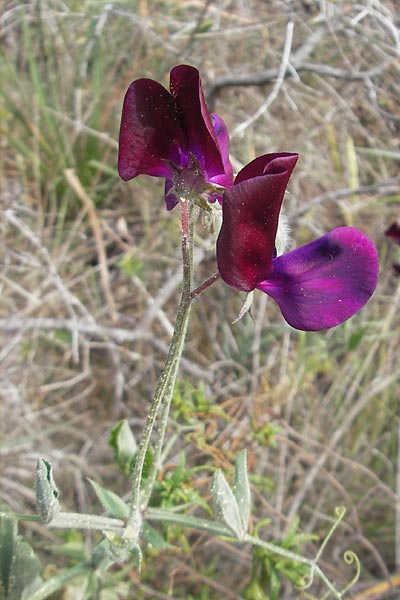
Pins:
x,y
90,269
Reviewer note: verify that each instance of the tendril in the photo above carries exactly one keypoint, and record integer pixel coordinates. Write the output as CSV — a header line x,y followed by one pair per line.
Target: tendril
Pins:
x,y
350,558
306,581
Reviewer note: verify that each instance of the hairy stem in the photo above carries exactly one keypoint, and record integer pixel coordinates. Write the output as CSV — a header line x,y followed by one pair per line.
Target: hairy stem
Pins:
x,y
165,388
187,260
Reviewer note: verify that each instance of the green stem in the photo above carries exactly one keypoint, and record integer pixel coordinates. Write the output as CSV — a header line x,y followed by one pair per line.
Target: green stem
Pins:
x,y
214,528
165,387
187,261
167,397
67,520
167,516
56,583
21,517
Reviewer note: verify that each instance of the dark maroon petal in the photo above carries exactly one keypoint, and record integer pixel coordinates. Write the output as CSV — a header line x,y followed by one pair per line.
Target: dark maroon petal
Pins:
x,y
186,88
323,283
394,232
150,133
282,161
250,213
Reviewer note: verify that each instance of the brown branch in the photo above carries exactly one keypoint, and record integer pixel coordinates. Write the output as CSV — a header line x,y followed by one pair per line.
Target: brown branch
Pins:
x,y
385,187
269,75
85,327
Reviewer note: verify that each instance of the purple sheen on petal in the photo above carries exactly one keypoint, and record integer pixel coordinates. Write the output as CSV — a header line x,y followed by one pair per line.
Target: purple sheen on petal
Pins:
x,y
273,163
171,199
250,214
186,88
151,135
394,232
225,179
214,197
325,282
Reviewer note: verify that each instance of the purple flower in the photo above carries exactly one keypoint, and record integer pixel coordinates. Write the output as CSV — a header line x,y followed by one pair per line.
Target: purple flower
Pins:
x,y
172,135
316,286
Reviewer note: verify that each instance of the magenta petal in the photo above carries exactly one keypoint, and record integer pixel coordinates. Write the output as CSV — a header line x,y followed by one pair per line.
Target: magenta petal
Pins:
x,y
225,179
250,213
150,133
186,88
323,283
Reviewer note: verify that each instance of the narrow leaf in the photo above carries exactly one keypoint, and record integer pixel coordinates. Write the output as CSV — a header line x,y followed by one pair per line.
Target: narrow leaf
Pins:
x,y
154,538
226,506
241,488
110,501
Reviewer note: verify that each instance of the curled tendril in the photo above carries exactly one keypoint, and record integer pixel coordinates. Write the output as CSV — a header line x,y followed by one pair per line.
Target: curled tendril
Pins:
x,y
350,558
340,511
306,581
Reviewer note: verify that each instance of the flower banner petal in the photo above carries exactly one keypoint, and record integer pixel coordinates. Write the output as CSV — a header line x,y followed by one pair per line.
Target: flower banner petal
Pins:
x,y
151,135
273,163
250,214
325,282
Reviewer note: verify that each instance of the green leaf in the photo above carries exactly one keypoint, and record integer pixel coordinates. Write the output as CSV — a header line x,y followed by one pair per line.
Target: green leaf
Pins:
x,y
19,566
8,532
24,574
205,25
154,538
46,491
274,585
226,505
111,502
92,587
124,445
241,489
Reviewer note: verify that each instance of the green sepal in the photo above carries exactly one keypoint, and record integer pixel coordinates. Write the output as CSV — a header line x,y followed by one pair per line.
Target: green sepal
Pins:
x,y
46,491
124,445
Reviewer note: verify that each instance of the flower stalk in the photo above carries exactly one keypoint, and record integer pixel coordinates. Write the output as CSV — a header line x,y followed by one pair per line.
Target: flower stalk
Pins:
x,y
165,388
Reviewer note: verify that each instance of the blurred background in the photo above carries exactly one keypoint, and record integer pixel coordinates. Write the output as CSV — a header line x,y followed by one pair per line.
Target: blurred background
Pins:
x,y
90,277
